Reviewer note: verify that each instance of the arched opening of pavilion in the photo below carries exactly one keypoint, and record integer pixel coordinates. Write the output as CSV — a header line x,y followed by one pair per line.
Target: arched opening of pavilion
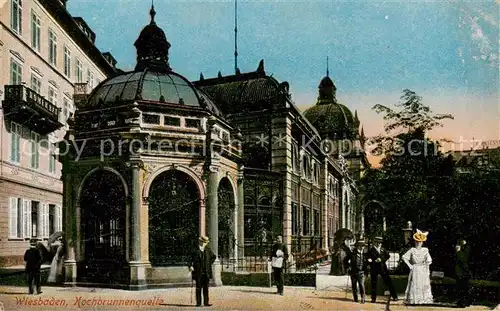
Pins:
x,y
226,210
174,201
103,205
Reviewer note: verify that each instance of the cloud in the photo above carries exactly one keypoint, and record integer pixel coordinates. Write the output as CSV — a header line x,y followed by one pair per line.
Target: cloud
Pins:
x,y
483,45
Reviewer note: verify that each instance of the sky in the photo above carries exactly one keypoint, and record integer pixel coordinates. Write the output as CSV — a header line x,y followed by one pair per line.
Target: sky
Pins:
x,y
445,51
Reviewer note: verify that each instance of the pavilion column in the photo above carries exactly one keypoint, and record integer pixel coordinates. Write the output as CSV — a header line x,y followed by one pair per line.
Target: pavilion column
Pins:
x,y
70,223
137,263
213,221
240,243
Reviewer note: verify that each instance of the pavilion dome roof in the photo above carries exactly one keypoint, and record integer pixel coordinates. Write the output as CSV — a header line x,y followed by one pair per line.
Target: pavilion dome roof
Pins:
x,y
152,80
328,116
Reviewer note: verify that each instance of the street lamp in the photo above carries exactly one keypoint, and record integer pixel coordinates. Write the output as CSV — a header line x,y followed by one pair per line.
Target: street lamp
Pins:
x,y
407,232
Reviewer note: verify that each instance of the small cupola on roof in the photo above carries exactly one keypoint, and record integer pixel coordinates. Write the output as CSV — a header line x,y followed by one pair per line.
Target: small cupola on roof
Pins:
x,y
327,90
332,119
152,47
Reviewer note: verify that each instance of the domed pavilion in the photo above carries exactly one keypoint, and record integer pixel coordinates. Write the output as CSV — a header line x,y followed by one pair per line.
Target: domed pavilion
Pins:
x,y
338,126
148,157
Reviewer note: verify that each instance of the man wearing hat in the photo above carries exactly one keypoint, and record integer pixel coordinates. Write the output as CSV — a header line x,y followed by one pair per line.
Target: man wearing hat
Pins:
x,y
33,259
463,273
279,258
377,256
356,261
201,269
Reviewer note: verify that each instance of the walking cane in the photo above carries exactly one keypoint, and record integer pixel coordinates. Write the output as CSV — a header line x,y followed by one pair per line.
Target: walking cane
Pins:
x,y
347,284
191,291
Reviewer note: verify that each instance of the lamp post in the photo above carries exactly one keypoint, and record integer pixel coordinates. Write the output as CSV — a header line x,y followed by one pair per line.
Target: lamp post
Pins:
x,y
407,232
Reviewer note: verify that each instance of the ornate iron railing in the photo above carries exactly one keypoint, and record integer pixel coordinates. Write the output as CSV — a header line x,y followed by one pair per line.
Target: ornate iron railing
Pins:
x,y
21,93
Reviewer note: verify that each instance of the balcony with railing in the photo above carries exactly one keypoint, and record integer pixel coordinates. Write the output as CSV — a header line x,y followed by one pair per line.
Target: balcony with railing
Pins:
x,y
25,106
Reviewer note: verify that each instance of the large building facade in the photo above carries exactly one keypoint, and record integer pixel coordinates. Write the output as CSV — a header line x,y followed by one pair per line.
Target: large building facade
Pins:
x,y
44,54
166,160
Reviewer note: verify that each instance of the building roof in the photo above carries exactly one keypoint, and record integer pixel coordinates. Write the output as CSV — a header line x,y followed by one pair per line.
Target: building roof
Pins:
x,y
473,157
245,92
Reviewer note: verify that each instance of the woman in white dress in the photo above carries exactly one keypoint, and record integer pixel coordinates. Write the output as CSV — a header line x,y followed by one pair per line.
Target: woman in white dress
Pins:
x,y
57,261
418,259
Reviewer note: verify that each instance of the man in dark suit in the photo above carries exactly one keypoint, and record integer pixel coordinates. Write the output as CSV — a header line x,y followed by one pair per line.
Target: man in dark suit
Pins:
x,y
33,259
356,262
279,257
201,269
377,257
463,273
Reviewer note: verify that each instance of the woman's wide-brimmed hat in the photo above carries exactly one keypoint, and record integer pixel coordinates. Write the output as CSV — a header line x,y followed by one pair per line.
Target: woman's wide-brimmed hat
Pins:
x,y
204,239
420,236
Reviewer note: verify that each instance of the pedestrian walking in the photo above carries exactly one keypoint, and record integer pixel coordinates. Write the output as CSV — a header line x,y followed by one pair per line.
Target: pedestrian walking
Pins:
x,y
33,259
377,258
279,258
201,269
356,260
463,273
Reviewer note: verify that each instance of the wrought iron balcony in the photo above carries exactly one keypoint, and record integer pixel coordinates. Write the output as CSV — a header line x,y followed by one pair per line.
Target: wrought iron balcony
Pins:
x,y
25,106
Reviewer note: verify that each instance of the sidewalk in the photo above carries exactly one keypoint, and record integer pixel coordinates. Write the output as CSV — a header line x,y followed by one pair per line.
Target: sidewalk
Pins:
x,y
222,298
7,271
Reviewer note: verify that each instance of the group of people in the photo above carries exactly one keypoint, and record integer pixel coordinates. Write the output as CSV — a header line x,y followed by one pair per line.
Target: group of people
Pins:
x,y
418,259
358,261
203,258
35,256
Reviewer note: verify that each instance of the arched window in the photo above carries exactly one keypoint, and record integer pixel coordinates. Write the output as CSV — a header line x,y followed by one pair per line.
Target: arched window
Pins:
x,y
306,167
316,172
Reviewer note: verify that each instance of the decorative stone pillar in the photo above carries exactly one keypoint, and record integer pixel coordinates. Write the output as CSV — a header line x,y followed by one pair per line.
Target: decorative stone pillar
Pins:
x,y
70,266
203,216
240,243
213,221
136,263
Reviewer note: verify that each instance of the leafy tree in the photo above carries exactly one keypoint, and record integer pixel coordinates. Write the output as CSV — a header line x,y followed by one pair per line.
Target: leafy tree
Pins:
x,y
417,182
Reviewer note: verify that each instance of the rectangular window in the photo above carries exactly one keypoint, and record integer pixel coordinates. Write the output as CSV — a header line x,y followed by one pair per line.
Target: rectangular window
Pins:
x,y
52,158
35,150
151,118
16,72
16,132
79,71
16,16
36,84
90,79
52,96
35,31
172,121
66,108
193,123
306,224
52,48
35,225
52,219
295,217
67,62
316,223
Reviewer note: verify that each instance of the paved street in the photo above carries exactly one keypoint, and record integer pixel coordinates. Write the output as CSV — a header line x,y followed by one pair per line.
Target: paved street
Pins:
x,y
223,298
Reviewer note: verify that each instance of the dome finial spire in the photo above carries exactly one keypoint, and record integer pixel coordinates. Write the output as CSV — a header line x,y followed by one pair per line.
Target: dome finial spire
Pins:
x,y
327,65
152,12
